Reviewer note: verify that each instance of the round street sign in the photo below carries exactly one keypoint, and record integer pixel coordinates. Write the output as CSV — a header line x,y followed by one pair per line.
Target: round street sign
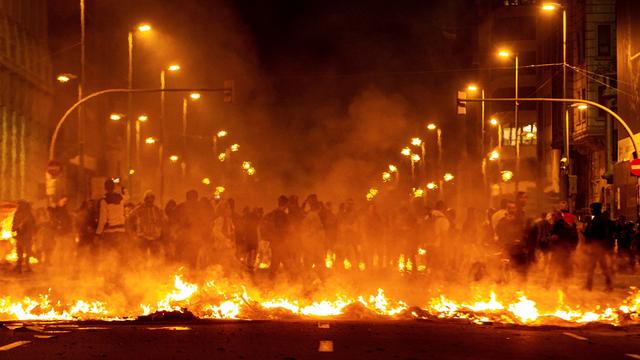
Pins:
x,y
634,166
54,168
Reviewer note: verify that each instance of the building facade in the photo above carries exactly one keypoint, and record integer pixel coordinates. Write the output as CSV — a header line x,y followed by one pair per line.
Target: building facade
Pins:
x,y
25,89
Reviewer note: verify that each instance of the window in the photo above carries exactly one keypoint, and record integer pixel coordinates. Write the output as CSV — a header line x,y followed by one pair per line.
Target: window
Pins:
x,y
604,40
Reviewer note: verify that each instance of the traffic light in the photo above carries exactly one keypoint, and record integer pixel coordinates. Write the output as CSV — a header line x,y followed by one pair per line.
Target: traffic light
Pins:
x,y
462,104
228,92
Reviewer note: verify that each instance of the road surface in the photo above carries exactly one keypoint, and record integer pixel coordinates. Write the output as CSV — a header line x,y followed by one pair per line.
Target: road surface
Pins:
x,y
313,340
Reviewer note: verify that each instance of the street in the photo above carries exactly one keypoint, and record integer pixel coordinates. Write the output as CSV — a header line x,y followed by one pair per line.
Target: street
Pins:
x,y
314,339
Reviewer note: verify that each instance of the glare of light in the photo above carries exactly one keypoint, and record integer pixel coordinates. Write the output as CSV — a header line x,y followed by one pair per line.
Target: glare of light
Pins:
x,y
132,171
564,159
206,181
393,168
63,78
580,106
143,118
494,155
144,27
222,133
386,176
530,135
506,175
493,122
195,96
373,192
416,141
115,117
174,67
504,53
405,151
415,157
246,165
472,88
549,6
116,180
173,158
448,177
150,140
222,156
432,186
251,171
418,193
235,147
220,189
431,126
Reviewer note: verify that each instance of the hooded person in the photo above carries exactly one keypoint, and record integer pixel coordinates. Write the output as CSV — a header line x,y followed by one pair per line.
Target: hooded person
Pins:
x,y
147,221
111,218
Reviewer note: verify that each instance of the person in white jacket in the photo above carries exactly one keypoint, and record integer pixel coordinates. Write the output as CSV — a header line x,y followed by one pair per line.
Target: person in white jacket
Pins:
x,y
111,219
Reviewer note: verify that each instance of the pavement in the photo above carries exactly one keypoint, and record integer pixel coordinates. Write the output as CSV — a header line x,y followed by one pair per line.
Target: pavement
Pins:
x,y
411,339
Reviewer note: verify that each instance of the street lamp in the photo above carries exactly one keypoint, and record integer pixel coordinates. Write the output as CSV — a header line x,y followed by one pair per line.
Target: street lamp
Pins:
x,y
434,127
141,119
474,88
507,54
64,78
185,109
140,28
116,117
163,86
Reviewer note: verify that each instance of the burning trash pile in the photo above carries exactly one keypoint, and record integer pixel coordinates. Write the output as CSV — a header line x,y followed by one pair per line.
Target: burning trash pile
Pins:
x,y
227,300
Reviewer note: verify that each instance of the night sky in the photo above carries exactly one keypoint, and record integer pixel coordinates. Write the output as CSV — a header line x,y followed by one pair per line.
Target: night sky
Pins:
x,y
325,89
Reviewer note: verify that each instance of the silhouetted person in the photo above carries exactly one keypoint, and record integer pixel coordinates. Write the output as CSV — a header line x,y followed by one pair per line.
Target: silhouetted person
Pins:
x,y
24,227
277,232
563,241
599,240
147,221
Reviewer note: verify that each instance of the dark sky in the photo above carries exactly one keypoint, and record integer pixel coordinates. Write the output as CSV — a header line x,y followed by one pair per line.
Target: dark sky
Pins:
x,y
325,89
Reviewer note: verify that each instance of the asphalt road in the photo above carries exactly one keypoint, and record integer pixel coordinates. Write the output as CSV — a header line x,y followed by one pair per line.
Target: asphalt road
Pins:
x,y
313,340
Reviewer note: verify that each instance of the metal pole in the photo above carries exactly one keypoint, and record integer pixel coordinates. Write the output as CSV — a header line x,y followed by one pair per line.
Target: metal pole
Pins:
x,y
565,107
483,126
161,148
517,130
129,116
183,165
81,122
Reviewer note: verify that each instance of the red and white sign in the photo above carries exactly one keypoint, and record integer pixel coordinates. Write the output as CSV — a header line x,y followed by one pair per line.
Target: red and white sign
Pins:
x,y
634,166
54,168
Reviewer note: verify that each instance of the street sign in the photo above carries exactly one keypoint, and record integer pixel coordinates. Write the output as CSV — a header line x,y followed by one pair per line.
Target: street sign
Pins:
x,y
634,166
54,168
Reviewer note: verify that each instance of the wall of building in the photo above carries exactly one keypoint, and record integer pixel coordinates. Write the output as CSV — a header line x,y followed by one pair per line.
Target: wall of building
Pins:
x,y
25,87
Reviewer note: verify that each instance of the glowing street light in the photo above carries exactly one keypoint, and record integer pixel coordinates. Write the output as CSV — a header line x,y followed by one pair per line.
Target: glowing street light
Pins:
x,y
251,171
150,140
222,133
144,27
173,158
115,117
173,67
416,141
222,157
418,193
580,106
493,122
549,6
195,96
504,53
432,186
506,175
415,157
132,171
143,118
448,177
393,168
405,151
472,88
66,77
235,147
386,176
431,126
494,155
246,165
206,181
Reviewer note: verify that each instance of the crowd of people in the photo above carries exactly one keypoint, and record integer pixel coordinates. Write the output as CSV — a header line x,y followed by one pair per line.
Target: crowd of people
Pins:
x,y
505,245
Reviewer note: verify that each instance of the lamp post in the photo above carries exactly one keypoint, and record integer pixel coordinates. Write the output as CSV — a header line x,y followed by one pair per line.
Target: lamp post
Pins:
x,y
140,28
507,54
185,110
141,119
163,86
63,79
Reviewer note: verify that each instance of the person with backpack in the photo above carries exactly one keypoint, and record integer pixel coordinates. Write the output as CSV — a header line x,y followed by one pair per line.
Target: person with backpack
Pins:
x,y
563,241
600,243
